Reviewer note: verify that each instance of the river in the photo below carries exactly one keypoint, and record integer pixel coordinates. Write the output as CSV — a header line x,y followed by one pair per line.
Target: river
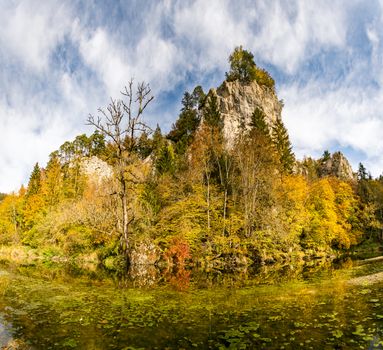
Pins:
x,y
318,305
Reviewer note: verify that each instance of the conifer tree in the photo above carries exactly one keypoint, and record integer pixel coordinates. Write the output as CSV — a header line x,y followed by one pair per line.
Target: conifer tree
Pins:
x,y
183,130
34,183
326,155
165,159
362,172
212,115
258,122
283,146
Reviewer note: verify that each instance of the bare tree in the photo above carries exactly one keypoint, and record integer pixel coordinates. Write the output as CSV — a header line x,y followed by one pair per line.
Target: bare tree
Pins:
x,y
121,123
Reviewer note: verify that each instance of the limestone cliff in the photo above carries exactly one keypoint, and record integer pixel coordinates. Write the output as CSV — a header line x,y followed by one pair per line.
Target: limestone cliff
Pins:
x,y
237,102
337,165
96,169
332,165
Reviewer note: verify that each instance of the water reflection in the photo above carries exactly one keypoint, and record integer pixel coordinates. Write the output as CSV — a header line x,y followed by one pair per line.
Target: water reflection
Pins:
x,y
272,307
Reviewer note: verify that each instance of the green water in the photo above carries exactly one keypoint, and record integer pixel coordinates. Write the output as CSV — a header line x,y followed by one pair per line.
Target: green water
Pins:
x,y
305,307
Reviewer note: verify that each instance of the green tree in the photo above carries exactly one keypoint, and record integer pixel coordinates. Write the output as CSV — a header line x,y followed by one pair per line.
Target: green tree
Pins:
x,y
244,69
362,172
258,122
34,183
158,141
187,123
326,156
144,145
211,113
199,97
242,66
165,160
283,146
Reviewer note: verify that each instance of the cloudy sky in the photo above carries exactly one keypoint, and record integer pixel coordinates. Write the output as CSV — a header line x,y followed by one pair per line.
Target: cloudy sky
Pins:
x,y
61,60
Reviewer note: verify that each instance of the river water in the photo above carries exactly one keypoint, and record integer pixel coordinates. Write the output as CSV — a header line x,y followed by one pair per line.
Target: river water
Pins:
x,y
319,305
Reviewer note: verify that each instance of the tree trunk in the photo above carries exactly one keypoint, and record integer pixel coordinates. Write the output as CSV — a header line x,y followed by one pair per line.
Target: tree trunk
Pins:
x,y
224,212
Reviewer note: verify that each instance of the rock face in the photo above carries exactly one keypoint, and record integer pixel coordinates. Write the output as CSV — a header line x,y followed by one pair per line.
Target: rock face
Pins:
x,y
96,169
337,165
238,101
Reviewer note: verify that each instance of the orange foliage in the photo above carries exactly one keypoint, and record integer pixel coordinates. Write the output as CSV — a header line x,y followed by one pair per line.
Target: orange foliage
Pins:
x,y
178,252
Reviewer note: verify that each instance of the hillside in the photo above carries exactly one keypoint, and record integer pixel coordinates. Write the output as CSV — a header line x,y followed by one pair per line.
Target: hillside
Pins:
x,y
221,189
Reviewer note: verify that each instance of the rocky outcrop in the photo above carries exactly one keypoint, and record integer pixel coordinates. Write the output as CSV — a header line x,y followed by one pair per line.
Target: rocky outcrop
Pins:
x,y
96,169
336,165
329,165
238,101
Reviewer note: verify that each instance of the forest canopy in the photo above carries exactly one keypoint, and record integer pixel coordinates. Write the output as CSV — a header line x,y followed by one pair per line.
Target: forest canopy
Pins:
x,y
186,196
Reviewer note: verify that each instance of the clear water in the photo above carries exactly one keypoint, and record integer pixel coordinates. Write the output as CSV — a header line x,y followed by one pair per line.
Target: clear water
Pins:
x,y
301,307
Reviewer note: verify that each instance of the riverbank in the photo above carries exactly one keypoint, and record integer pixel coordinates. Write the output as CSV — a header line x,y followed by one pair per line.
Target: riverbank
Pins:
x,y
147,257
292,307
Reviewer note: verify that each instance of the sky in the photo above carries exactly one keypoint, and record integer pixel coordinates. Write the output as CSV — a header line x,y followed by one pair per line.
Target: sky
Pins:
x,y
62,60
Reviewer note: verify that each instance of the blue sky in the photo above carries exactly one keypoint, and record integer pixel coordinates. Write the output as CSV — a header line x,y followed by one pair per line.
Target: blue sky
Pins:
x,y
61,60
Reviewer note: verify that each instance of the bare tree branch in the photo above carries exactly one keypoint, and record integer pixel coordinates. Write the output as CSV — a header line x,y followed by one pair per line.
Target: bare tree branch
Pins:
x,y
122,124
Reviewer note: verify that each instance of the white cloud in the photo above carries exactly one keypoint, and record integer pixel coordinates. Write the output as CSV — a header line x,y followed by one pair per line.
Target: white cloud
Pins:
x,y
320,117
211,31
292,32
177,43
30,30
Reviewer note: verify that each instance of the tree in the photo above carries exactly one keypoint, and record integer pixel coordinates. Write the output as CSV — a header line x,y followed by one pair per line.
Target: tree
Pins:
x,y
258,122
211,112
34,183
362,172
326,156
53,182
244,69
183,130
122,123
165,160
283,146
242,66
256,166
199,97
34,202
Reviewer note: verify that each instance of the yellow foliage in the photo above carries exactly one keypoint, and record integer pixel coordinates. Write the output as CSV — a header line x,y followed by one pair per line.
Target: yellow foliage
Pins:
x,y
292,195
10,217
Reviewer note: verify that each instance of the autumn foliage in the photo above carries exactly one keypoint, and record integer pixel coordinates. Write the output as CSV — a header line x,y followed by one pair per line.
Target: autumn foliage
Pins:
x,y
193,197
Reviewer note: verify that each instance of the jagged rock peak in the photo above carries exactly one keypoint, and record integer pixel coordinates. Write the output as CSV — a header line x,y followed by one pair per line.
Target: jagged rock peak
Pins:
x,y
237,102
336,165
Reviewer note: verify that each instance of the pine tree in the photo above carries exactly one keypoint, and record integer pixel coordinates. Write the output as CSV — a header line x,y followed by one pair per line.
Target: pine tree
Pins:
x,y
188,121
198,96
362,172
158,140
283,146
326,155
212,115
165,159
258,122
34,183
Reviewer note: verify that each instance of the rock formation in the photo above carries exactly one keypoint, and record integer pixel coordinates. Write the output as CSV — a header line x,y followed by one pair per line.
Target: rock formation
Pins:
x,y
96,169
337,165
331,165
238,101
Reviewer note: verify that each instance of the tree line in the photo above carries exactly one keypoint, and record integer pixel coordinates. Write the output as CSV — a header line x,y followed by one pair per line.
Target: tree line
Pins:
x,y
186,193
